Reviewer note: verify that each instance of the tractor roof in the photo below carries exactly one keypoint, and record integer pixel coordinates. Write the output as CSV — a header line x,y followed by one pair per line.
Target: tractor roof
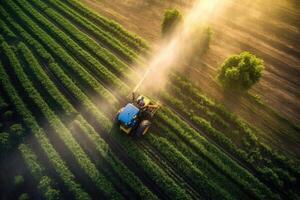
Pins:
x,y
128,113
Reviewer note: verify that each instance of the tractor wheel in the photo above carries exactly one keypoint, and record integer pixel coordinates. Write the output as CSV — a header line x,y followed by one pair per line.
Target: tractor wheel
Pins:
x,y
142,128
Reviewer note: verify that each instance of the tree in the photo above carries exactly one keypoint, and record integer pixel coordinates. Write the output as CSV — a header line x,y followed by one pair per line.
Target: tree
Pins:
x,y
171,18
240,72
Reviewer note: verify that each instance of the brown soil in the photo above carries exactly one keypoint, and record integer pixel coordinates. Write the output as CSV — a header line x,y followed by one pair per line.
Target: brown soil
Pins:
x,y
270,29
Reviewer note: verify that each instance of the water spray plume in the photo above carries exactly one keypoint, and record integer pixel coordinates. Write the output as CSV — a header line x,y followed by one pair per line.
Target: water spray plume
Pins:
x,y
177,47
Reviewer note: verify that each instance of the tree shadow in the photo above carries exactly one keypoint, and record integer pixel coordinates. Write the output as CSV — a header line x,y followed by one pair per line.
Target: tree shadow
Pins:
x,y
232,99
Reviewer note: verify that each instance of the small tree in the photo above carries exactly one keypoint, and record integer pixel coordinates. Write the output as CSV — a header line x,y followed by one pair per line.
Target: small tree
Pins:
x,y
240,72
171,18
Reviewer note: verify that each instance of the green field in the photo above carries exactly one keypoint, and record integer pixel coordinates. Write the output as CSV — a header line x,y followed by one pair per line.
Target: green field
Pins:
x,y
60,67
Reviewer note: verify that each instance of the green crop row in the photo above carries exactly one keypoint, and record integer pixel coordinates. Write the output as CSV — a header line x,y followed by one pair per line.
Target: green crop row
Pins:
x,y
101,146
156,173
205,166
267,174
69,84
127,176
89,61
219,159
203,124
33,64
59,165
4,30
45,184
61,54
272,167
100,181
204,186
213,117
118,31
104,37
101,53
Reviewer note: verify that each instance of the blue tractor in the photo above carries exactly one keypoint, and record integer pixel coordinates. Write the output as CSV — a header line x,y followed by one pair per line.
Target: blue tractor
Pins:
x,y
134,118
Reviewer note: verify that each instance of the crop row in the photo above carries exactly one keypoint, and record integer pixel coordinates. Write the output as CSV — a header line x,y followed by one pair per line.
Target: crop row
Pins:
x,y
6,31
272,167
105,38
69,83
212,116
101,146
115,29
101,53
200,162
203,124
156,173
45,184
207,150
216,117
89,61
99,180
60,53
205,187
29,120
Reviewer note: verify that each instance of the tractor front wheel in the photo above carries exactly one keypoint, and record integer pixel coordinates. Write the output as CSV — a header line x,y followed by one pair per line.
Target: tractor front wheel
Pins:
x,y
142,128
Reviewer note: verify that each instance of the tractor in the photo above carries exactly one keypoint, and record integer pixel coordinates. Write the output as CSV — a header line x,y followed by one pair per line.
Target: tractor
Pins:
x,y
134,118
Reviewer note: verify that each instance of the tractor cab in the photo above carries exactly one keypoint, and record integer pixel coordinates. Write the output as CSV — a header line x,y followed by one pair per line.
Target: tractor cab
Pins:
x,y
134,117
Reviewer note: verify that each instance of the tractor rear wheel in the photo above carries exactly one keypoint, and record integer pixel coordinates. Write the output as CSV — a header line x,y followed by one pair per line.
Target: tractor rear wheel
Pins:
x,y
142,128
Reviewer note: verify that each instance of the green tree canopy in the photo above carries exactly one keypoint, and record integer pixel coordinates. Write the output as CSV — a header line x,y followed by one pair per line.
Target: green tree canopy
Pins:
x,y
240,72
171,18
